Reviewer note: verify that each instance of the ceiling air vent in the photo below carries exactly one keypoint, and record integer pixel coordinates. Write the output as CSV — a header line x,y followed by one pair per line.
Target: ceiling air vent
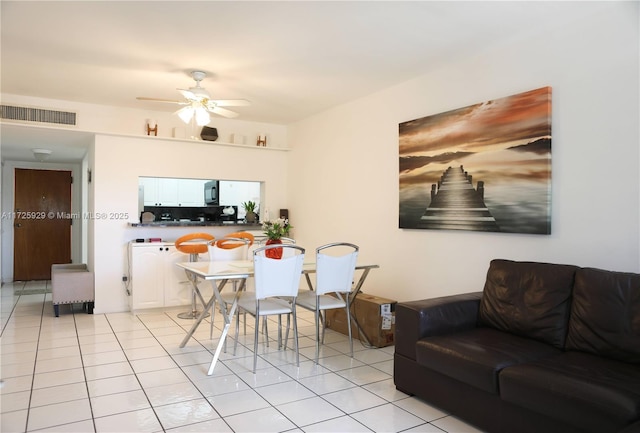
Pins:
x,y
38,115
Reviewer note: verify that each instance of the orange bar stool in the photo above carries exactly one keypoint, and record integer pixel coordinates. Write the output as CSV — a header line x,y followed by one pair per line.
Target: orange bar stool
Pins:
x,y
193,244
228,241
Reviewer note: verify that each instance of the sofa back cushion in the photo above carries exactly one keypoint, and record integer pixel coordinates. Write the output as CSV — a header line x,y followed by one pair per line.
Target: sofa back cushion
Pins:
x,y
529,299
605,315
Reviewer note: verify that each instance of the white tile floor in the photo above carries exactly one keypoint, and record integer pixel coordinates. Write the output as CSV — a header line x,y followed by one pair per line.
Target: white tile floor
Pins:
x,y
125,373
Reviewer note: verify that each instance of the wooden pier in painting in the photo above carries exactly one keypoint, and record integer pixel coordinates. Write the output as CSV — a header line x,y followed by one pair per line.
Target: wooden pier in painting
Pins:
x,y
456,205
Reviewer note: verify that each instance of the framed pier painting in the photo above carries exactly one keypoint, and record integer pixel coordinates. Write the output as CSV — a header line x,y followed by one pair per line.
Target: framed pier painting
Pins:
x,y
485,167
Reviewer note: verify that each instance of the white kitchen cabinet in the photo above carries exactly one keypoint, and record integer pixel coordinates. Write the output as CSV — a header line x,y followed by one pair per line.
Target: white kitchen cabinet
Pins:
x,y
156,281
160,191
191,192
169,192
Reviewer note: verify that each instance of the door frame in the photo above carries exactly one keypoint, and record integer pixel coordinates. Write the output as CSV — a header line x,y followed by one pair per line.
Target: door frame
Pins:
x,y
78,244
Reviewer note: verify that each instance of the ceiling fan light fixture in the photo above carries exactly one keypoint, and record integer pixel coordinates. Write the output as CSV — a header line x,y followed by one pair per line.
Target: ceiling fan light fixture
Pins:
x,y
198,103
202,116
186,113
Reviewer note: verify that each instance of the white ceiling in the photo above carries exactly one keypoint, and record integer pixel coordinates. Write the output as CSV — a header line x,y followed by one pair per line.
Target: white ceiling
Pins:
x,y
291,59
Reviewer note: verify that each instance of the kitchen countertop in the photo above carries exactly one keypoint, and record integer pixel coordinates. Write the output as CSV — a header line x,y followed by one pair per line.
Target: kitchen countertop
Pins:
x,y
197,224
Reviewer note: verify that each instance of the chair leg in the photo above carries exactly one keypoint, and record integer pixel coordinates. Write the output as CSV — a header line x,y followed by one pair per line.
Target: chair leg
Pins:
x,y
286,335
235,343
56,310
279,331
317,330
90,306
265,330
295,333
349,326
255,343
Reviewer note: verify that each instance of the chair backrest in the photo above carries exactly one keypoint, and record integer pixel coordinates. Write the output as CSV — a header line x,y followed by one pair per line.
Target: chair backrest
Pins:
x,y
277,277
226,243
194,243
229,249
287,241
335,268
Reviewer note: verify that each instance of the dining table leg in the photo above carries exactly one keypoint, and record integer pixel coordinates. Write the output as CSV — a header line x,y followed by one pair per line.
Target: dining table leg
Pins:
x,y
228,317
205,312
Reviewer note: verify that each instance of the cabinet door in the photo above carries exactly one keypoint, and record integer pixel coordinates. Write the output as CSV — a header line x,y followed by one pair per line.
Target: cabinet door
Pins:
x,y
191,192
150,190
147,280
167,192
177,287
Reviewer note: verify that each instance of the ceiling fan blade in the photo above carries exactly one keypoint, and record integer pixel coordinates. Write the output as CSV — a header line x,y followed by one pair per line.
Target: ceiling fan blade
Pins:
x,y
169,101
231,102
223,112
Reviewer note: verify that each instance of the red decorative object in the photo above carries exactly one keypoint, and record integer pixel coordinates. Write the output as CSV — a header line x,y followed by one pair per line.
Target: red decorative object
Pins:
x,y
274,253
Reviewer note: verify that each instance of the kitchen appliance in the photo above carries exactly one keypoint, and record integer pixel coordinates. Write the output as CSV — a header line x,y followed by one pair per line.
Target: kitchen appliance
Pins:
x,y
212,193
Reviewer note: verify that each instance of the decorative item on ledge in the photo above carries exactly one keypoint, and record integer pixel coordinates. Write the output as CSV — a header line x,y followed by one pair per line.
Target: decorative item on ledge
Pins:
x,y
209,134
262,140
152,126
237,138
275,231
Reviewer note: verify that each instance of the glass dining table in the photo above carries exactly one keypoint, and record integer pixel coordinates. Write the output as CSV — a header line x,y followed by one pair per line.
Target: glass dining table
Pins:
x,y
219,273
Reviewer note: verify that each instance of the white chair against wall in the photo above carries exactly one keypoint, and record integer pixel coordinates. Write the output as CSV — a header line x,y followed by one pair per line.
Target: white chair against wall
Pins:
x,y
276,287
335,266
193,244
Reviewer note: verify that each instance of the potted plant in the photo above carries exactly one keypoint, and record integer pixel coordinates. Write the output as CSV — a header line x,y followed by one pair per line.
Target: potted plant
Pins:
x,y
275,231
250,209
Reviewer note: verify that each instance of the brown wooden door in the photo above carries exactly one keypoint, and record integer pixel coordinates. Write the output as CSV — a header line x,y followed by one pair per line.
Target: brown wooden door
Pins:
x,y
42,223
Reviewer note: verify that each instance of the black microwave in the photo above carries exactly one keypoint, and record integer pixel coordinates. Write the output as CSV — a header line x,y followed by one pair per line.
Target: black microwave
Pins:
x,y
212,193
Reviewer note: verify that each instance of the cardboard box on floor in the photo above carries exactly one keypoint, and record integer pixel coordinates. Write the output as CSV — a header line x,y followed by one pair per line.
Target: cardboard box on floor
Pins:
x,y
376,316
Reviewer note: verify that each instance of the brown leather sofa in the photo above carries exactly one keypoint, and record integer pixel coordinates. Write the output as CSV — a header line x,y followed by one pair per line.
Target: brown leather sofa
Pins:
x,y
544,348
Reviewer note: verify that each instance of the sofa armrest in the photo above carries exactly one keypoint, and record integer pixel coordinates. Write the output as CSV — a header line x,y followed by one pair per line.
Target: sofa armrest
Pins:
x,y
429,317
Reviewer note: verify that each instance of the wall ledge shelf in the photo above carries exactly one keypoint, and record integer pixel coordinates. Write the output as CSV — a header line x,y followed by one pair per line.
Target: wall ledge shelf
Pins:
x,y
74,131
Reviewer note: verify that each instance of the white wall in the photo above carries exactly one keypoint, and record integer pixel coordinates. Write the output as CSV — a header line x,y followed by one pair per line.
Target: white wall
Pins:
x,y
350,192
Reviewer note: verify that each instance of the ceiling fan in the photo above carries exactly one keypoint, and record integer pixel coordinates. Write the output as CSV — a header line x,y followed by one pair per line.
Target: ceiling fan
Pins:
x,y
198,103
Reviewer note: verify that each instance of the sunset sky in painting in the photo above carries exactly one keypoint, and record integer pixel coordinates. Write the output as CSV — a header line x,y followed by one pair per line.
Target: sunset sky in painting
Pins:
x,y
491,125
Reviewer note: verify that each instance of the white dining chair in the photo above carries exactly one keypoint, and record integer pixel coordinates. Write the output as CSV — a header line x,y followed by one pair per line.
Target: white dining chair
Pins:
x,y
335,267
276,287
260,241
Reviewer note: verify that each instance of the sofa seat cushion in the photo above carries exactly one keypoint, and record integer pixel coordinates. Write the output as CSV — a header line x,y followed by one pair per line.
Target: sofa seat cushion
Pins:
x,y
594,393
476,357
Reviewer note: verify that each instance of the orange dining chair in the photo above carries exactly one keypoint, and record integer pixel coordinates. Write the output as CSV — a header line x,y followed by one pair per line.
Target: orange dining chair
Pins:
x,y
193,244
